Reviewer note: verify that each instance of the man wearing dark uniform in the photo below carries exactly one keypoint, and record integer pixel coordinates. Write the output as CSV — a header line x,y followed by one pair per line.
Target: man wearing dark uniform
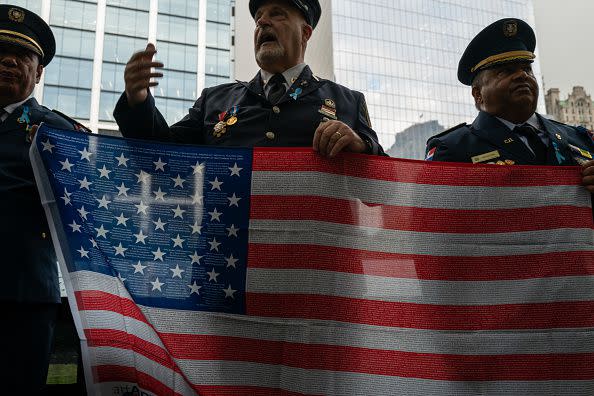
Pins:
x,y
508,131
284,105
30,295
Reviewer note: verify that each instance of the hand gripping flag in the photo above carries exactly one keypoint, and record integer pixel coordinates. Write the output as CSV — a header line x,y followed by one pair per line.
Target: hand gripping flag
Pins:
x,y
212,271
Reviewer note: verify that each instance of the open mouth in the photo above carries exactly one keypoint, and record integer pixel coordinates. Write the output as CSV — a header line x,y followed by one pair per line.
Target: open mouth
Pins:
x,y
266,38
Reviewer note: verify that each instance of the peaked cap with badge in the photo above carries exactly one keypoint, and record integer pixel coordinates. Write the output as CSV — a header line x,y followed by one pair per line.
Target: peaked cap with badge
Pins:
x,y
488,140
23,28
310,9
505,41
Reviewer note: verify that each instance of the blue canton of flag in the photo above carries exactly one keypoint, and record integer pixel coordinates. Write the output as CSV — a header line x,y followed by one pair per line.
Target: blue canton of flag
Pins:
x,y
171,225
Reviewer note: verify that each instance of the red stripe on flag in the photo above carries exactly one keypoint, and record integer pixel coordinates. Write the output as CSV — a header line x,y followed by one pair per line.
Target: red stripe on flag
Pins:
x,y
123,340
113,373
416,219
435,317
425,267
94,300
383,362
410,171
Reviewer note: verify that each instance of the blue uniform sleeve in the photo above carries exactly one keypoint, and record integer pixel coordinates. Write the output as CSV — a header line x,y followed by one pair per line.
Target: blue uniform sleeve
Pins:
x,y
365,130
144,121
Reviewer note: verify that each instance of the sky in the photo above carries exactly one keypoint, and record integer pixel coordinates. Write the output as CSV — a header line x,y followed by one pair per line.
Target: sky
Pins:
x,y
565,37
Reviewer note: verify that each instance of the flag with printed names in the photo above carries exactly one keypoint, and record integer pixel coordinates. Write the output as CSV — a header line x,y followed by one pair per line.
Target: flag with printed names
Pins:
x,y
217,271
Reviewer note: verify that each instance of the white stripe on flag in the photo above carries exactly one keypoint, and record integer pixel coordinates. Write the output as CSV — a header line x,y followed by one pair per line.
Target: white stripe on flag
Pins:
x,y
413,195
422,243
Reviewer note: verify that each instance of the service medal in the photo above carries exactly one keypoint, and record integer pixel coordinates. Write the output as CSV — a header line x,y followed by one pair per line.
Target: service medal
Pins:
x,y
232,121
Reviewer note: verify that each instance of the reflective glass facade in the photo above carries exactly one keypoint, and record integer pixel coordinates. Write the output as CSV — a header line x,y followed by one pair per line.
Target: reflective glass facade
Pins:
x,y
95,39
403,55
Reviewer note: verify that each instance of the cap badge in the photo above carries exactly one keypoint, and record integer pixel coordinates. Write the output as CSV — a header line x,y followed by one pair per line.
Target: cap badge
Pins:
x,y
16,15
510,28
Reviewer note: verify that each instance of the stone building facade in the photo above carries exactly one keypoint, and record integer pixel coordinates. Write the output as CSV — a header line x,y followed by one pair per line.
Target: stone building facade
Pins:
x,y
577,109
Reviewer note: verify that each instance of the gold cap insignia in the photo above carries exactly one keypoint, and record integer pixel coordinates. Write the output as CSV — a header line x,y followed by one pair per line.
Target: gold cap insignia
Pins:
x,y
16,15
510,28
330,103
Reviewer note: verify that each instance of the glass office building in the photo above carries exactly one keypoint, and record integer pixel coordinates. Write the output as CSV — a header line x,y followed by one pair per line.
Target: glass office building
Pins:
x,y
95,39
403,55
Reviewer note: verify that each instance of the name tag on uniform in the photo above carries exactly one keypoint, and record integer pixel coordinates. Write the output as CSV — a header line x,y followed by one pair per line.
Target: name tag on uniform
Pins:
x,y
485,157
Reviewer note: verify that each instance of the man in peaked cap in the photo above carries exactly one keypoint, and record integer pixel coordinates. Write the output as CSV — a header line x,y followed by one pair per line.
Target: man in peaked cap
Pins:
x,y
284,105
30,295
498,66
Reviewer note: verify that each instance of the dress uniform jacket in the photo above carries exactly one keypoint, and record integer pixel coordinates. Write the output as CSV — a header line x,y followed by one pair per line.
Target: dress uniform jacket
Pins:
x,y
290,123
31,273
488,140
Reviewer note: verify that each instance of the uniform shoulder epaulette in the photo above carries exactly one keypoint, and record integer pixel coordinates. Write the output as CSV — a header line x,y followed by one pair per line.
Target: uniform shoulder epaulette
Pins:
x,y
77,125
448,131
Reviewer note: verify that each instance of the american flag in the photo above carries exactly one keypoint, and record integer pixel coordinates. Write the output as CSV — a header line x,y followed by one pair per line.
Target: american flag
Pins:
x,y
212,271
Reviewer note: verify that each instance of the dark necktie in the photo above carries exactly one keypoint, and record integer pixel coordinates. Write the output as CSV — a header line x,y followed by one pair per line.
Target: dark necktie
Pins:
x,y
277,88
534,141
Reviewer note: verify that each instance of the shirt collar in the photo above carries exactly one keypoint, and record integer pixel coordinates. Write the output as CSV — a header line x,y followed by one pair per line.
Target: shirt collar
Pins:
x,y
11,107
290,75
532,121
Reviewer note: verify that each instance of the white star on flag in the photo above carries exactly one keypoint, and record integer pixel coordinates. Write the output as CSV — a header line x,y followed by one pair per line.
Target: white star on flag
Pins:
x,y
122,279
101,232
83,252
235,170
198,169
143,177
214,245
159,195
66,165
85,184
196,228
120,250
104,172
122,160
212,275
197,199
103,202
140,237
178,242
194,288
159,225
178,212
232,231
139,268
229,292
85,155
66,198
75,227
231,261
195,258
216,184
215,215
160,165
94,243
122,220
179,182
157,285
158,254
122,190
234,200
83,213
47,146
177,272
141,208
